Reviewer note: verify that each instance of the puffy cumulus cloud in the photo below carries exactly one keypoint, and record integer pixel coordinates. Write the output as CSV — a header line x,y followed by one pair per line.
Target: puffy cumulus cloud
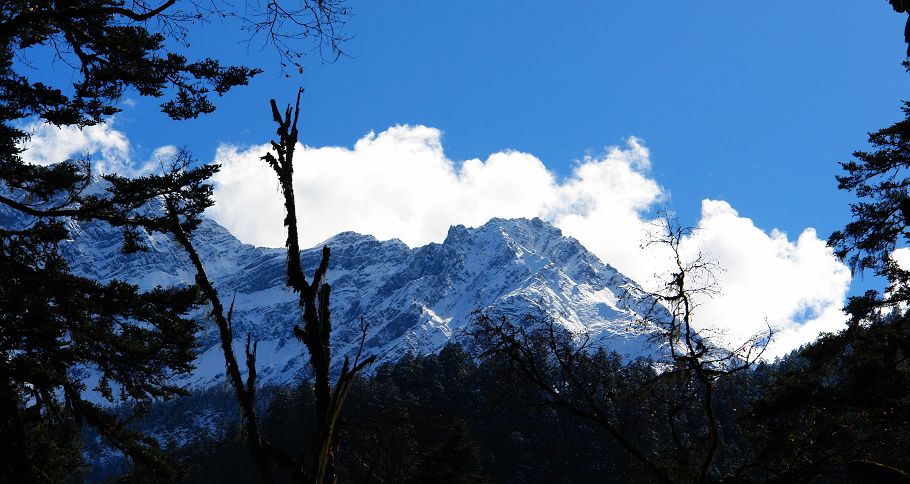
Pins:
x,y
400,184
605,204
397,184
52,144
797,287
108,148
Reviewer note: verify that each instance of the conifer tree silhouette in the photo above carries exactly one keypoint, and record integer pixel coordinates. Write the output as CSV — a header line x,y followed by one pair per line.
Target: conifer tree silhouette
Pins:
x,y
53,323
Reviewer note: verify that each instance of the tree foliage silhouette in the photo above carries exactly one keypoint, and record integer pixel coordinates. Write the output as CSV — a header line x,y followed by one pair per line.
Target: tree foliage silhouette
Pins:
x,y
881,219
858,378
849,389
54,324
903,6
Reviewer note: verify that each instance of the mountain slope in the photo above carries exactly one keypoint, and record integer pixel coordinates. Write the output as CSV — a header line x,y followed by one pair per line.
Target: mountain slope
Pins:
x,y
414,300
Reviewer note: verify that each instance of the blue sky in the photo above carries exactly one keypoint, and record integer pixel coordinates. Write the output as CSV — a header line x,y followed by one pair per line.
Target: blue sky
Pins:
x,y
591,115
751,103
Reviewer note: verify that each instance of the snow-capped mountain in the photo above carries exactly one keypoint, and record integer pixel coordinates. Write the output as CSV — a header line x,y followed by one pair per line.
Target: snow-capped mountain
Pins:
x,y
414,300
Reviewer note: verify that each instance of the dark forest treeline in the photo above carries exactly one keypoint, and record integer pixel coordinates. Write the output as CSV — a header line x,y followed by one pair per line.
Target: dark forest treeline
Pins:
x,y
836,411
437,418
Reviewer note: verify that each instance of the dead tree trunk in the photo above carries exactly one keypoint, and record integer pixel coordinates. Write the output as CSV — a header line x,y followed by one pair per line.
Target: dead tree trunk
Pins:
x,y
314,301
315,331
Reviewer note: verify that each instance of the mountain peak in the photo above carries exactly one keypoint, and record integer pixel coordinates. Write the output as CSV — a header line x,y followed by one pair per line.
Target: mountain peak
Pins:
x,y
523,232
345,238
414,300
523,225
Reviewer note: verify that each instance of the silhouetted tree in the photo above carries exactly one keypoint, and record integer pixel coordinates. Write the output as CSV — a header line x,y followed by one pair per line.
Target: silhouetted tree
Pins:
x,y
315,330
881,219
695,362
53,324
837,405
56,326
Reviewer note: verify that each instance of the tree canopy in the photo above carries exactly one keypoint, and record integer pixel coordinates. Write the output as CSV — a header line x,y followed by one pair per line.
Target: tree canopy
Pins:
x,y
55,325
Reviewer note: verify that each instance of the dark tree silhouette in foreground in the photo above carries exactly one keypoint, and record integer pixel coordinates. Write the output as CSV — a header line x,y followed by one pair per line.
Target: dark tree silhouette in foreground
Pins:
x,y
53,324
694,356
315,331
680,392
881,219
841,403
314,299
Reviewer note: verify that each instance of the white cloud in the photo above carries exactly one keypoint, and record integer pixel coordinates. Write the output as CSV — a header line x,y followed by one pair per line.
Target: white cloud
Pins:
x,y
798,286
157,163
902,257
605,204
400,184
108,148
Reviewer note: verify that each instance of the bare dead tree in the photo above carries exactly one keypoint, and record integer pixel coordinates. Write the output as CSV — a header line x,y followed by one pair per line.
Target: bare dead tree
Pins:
x,y
245,390
314,300
314,332
683,381
691,354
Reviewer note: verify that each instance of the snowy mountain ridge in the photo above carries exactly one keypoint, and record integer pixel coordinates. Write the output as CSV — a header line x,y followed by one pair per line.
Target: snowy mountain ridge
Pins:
x,y
414,300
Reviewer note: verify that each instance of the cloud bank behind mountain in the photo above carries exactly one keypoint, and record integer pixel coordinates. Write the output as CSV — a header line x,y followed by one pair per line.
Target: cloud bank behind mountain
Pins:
x,y
400,184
